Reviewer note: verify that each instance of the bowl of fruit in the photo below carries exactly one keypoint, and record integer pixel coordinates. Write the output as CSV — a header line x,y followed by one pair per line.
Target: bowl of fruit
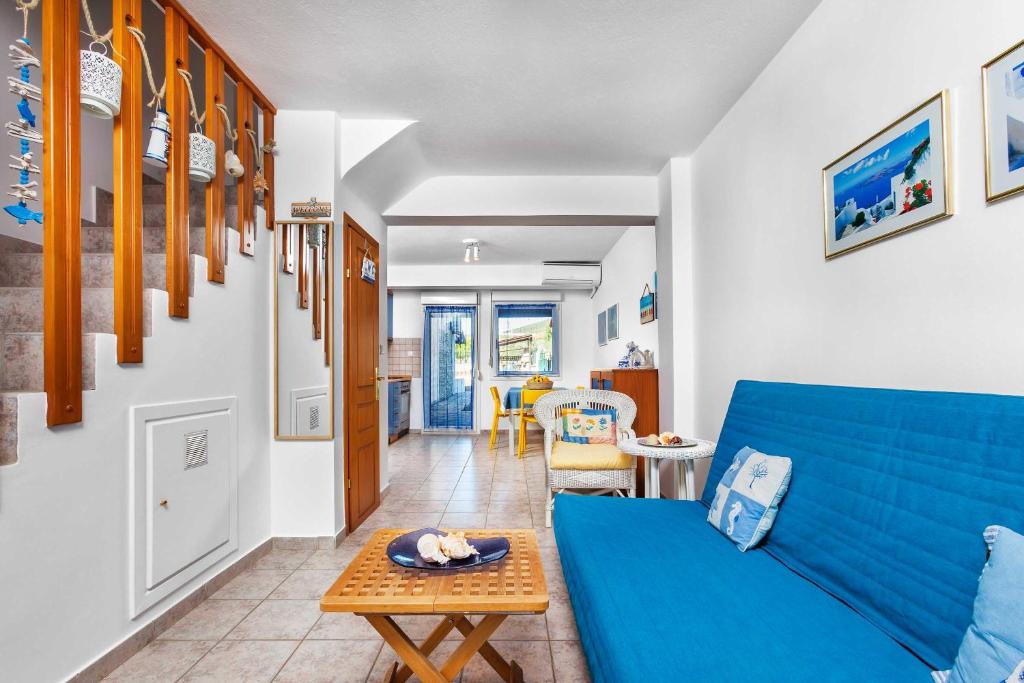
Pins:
x,y
539,382
666,440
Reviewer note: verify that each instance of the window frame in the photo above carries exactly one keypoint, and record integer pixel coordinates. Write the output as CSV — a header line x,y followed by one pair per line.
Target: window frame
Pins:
x,y
556,338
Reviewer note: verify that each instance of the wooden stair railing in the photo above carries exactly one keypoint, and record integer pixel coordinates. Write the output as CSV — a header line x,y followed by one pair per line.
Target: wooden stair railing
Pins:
x,y
216,237
128,306
62,224
61,172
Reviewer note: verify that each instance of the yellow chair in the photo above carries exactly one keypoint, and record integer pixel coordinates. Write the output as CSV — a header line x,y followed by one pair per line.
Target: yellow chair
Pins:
x,y
526,400
499,412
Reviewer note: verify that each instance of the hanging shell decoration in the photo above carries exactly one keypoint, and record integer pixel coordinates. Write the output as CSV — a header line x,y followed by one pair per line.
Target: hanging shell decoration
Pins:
x,y
25,190
442,549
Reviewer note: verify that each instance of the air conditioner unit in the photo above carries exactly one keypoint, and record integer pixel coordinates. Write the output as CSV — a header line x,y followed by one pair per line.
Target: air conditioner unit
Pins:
x,y
571,274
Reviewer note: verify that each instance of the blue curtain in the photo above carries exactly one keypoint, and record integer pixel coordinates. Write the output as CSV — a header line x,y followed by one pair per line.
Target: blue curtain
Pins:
x,y
527,310
449,366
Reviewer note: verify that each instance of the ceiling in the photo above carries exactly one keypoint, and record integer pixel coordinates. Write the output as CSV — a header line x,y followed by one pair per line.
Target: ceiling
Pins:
x,y
499,245
514,87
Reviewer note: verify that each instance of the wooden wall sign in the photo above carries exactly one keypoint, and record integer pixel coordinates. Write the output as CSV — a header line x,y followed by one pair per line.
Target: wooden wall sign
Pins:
x,y
311,209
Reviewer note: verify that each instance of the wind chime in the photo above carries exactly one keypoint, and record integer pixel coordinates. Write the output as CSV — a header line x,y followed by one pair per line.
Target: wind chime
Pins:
x,y
22,56
259,181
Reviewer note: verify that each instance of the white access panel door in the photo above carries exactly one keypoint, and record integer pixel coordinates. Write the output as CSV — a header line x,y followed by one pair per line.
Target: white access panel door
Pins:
x,y
310,411
183,480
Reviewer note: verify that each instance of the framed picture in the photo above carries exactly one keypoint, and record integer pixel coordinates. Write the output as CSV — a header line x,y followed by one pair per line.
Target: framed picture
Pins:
x,y
613,322
602,328
647,313
1002,94
895,181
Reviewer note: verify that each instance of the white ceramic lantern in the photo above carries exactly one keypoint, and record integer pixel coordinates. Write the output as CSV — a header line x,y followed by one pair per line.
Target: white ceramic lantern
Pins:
x,y
232,164
156,153
100,85
202,158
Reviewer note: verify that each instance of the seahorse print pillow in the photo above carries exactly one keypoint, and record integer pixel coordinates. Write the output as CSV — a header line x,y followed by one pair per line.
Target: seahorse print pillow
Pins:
x,y
748,496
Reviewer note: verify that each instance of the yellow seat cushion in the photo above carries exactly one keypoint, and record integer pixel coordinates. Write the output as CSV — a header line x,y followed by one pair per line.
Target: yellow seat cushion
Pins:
x,y
588,456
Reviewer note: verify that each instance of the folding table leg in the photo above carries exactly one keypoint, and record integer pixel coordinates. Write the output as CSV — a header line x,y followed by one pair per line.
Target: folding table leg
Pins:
x,y
407,650
429,645
476,640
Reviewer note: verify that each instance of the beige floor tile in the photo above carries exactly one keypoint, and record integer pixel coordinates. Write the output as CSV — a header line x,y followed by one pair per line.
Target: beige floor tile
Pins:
x,y
253,584
400,505
471,494
342,626
509,506
283,559
330,661
305,584
561,623
388,657
210,620
533,656
478,505
243,661
509,520
522,627
162,660
336,559
278,620
570,662
463,520
419,626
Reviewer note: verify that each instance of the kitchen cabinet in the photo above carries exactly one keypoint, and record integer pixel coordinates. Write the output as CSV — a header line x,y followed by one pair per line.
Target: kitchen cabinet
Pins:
x,y
399,398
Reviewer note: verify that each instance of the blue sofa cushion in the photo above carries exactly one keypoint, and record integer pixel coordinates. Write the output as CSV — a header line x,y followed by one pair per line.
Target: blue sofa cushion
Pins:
x,y
890,494
660,595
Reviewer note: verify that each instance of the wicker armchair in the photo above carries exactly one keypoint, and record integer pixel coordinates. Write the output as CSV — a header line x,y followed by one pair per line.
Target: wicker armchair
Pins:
x,y
548,411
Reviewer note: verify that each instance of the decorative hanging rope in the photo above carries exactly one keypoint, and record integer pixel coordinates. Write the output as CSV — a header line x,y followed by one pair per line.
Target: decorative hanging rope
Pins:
x,y
256,150
158,95
232,133
192,99
25,6
96,37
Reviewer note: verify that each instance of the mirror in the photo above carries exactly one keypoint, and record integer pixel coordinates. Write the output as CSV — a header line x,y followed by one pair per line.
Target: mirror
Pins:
x,y
303,367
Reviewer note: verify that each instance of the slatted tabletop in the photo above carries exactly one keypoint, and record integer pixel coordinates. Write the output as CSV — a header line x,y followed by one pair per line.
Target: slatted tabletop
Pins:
x,y
373,584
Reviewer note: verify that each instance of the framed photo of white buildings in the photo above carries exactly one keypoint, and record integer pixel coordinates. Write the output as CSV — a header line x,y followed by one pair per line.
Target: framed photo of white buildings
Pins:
x,y
1002,87
895,181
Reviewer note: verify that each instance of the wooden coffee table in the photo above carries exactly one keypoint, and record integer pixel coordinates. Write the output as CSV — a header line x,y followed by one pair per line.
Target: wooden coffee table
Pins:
x,y
374,587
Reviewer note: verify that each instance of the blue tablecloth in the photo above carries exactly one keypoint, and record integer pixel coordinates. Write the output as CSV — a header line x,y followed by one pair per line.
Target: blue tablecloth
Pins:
x,y
514,395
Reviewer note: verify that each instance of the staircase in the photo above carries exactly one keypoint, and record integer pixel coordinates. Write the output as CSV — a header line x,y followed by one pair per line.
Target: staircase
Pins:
x,y
21,294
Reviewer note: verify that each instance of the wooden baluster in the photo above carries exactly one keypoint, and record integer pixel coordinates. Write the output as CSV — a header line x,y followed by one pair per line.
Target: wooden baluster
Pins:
x,y
328,228
268,166
287,253
301,247
246,202
216,237
62,224
317,292
128,186
176,32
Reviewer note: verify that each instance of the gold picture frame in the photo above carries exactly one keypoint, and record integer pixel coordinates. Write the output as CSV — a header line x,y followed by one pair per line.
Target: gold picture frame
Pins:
x,y
1005,190
866,226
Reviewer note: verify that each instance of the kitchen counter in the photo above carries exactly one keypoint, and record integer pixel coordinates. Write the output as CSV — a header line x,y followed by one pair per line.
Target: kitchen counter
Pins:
x,y
399,378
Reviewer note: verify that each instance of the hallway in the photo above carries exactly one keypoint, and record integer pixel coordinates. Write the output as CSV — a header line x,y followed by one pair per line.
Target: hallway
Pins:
x,y
266,623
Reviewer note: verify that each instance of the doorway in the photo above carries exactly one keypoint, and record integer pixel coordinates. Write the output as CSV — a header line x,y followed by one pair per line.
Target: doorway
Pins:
x,y
449,368
362,383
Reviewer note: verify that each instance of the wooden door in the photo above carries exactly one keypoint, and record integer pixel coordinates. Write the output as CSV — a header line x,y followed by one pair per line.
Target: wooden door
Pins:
x,y
361,325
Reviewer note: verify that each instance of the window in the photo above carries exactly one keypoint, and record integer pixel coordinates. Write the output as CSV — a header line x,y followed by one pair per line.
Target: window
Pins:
x,y
525,339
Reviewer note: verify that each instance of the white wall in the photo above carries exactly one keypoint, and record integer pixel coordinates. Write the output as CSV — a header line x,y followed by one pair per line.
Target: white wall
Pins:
x,y
530,196
578,332
628,266
64,505
938,308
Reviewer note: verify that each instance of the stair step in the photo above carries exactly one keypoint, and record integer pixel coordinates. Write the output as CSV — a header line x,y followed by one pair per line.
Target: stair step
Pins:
x,y
8,429
100,240
26,270
12,245
21,362
156,193
21,309
155,215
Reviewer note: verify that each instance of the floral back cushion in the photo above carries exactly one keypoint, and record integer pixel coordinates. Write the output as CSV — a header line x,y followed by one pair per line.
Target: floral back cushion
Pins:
x,y
589,425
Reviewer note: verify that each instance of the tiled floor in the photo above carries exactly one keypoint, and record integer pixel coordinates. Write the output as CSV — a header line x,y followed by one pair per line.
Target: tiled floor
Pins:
x,y
266,624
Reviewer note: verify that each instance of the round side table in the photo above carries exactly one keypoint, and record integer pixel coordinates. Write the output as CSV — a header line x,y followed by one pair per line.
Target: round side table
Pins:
x,y
684,459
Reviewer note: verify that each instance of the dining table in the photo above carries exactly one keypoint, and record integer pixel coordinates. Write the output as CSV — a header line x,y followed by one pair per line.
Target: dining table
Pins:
x,y
513,404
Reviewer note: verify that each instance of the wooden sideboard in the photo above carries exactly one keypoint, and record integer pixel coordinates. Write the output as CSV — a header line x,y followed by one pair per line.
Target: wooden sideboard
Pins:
x,y
641,385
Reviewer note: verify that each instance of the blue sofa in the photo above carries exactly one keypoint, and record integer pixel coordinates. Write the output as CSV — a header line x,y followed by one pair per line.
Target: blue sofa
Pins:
x,y
871,568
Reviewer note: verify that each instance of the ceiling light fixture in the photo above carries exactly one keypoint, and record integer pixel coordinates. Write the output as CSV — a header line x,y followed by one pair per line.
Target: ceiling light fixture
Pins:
x,y
472,250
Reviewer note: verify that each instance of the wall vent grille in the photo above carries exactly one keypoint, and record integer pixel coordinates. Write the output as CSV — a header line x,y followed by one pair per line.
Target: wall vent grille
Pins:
x,y
196,449
314,418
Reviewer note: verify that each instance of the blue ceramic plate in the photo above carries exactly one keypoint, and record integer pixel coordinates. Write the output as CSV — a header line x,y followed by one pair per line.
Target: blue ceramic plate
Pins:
x,y
402,551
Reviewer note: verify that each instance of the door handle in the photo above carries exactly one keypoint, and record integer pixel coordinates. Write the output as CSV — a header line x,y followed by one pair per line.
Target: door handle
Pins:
x,y
376,382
